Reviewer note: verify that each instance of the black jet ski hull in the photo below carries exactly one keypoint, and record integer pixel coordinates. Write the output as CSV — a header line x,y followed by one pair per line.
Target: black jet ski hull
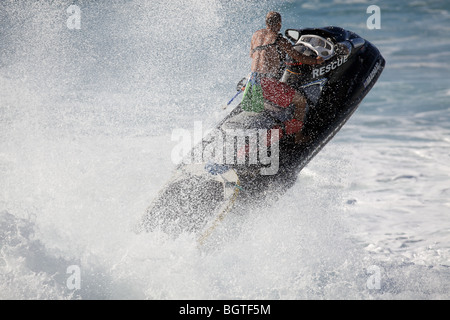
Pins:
x,y
200,194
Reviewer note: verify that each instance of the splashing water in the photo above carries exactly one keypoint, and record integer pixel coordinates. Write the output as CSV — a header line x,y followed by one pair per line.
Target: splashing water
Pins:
x,y
86,117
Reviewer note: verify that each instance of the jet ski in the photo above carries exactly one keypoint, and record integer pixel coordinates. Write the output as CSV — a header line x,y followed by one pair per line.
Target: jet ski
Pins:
x,y
250,151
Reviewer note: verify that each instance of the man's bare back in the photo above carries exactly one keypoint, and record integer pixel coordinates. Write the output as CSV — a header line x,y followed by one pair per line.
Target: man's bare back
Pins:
x,y
264,61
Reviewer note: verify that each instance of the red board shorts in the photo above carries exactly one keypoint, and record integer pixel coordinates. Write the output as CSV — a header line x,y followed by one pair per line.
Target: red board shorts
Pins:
x,y
278,92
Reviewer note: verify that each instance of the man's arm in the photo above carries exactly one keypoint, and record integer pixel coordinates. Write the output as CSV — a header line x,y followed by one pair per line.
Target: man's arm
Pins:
x,y
294,54
252,44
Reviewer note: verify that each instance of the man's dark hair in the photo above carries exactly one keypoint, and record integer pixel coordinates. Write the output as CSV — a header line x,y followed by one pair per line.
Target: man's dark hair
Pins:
x,y
273,18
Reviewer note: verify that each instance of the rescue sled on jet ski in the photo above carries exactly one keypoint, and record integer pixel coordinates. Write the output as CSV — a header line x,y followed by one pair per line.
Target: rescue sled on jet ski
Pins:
x,y
247,151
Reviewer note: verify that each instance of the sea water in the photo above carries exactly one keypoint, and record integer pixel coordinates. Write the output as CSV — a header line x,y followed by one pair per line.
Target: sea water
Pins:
x,y
91,94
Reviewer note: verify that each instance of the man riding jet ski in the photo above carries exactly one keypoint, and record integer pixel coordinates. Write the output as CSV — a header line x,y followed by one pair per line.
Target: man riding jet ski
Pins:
x,y
330,70
268,51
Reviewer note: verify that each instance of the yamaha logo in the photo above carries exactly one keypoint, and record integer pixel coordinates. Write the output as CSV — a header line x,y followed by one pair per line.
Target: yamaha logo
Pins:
x,y
372,74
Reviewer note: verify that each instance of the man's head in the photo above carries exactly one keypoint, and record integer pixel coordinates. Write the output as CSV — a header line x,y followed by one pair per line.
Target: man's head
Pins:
x,y
273,21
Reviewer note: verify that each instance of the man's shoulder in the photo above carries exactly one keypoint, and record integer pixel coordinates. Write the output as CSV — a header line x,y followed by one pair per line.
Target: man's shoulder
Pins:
x,y
258,35
260,32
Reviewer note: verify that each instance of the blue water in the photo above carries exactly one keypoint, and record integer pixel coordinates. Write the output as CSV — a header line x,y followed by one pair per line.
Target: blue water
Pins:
x,y
86,122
